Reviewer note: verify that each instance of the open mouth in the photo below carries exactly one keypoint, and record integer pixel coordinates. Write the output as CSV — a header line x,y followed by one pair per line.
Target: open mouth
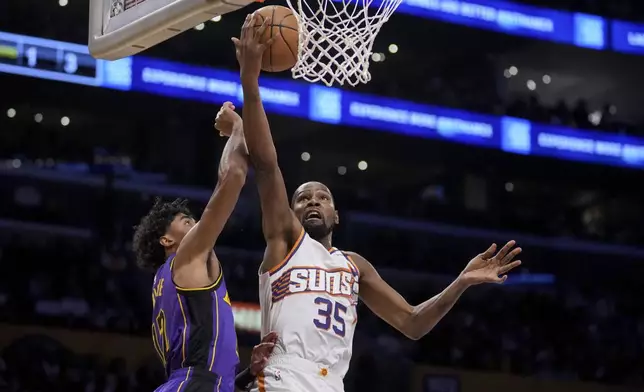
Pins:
x,y
312,215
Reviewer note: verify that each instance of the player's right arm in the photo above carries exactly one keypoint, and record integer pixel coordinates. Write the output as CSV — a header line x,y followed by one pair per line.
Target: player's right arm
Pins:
x,y
197,246
279,224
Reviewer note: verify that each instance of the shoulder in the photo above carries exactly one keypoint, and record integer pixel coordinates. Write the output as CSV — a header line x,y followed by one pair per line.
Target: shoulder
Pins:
x,y
365,268
356,258
162,268
196,273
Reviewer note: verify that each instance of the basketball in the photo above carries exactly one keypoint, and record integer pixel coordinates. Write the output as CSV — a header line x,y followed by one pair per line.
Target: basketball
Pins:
x,y
282,55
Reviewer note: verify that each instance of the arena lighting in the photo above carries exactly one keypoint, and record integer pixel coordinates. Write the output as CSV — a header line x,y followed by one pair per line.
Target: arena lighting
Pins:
x,y
305,156
393,48
342,170
572,28
38,117
216,18
11,113
595,117
514,71
63,3
546,79
200,27
71,63
362,165
65,121
531,85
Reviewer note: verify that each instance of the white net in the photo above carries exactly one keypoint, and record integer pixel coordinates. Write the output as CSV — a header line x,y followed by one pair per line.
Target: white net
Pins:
x,y
336,38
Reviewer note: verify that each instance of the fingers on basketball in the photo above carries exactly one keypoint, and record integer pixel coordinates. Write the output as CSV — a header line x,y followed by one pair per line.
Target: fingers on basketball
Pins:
x,y
278,30
248,22
259,32
270,42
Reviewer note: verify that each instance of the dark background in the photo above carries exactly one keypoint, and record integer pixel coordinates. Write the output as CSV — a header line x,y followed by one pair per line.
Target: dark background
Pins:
x,y
419,212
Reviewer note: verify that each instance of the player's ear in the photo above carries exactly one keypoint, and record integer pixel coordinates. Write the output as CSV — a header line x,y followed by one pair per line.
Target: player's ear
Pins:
x,y
336,217
166,241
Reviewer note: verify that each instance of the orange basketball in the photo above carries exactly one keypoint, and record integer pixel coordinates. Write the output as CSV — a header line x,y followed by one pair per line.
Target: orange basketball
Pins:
x,y
282,55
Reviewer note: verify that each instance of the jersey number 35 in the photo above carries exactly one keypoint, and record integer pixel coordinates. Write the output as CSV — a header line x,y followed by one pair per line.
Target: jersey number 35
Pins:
x,y
330,316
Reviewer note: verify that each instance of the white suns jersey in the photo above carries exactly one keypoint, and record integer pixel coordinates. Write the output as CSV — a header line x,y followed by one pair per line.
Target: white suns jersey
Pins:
x,y
310,300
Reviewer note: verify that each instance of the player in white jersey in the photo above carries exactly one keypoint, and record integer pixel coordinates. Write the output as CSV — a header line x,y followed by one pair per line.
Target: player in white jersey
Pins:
x,y
311,297
308,289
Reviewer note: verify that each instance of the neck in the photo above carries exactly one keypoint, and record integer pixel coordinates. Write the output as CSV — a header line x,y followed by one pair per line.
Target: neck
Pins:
x,y
326,241
169,251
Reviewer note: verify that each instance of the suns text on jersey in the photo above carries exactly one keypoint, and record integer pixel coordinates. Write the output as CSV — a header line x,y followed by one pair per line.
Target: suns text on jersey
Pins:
x,y
340,282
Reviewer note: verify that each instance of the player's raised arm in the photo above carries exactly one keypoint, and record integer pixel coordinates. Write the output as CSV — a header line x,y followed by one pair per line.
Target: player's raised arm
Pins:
x,y
416,321
233,167
281,228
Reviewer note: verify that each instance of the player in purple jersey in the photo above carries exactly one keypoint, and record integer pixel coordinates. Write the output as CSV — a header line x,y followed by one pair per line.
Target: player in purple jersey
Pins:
x,y
193,329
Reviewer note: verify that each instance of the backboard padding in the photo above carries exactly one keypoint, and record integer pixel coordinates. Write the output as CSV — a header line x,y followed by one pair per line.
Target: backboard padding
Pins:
x,y
148,24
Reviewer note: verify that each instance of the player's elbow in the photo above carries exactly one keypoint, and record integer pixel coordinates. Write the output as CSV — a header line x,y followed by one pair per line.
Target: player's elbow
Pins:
x,y
411,332
414,336
413,328
406,324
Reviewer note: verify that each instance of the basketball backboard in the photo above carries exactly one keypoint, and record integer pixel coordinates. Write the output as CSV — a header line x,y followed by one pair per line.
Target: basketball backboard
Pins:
x,y
121,28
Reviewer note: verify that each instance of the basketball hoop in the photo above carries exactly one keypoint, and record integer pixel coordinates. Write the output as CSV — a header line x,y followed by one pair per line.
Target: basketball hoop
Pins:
x,y
336,38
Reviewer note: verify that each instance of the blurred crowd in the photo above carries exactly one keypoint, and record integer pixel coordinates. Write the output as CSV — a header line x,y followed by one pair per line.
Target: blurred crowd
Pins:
x,y
40,363
584,322
619,9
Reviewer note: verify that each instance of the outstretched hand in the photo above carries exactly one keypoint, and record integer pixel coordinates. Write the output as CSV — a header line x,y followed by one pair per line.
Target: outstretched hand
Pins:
x,y
249,48
488,267
227,119
261,353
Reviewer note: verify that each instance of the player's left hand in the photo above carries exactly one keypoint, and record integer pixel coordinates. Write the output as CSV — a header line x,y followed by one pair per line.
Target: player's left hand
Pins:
x,y
227,119
488,267
261,353
249,49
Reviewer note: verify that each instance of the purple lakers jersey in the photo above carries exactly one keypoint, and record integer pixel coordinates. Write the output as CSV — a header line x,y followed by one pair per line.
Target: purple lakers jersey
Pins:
x,y
193,331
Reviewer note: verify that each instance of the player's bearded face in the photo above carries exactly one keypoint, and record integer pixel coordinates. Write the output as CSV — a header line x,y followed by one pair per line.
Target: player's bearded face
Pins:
x,y
318,228
316,211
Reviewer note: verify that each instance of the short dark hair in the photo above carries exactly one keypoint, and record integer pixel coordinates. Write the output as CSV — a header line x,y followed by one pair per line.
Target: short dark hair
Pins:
x,y
150,254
